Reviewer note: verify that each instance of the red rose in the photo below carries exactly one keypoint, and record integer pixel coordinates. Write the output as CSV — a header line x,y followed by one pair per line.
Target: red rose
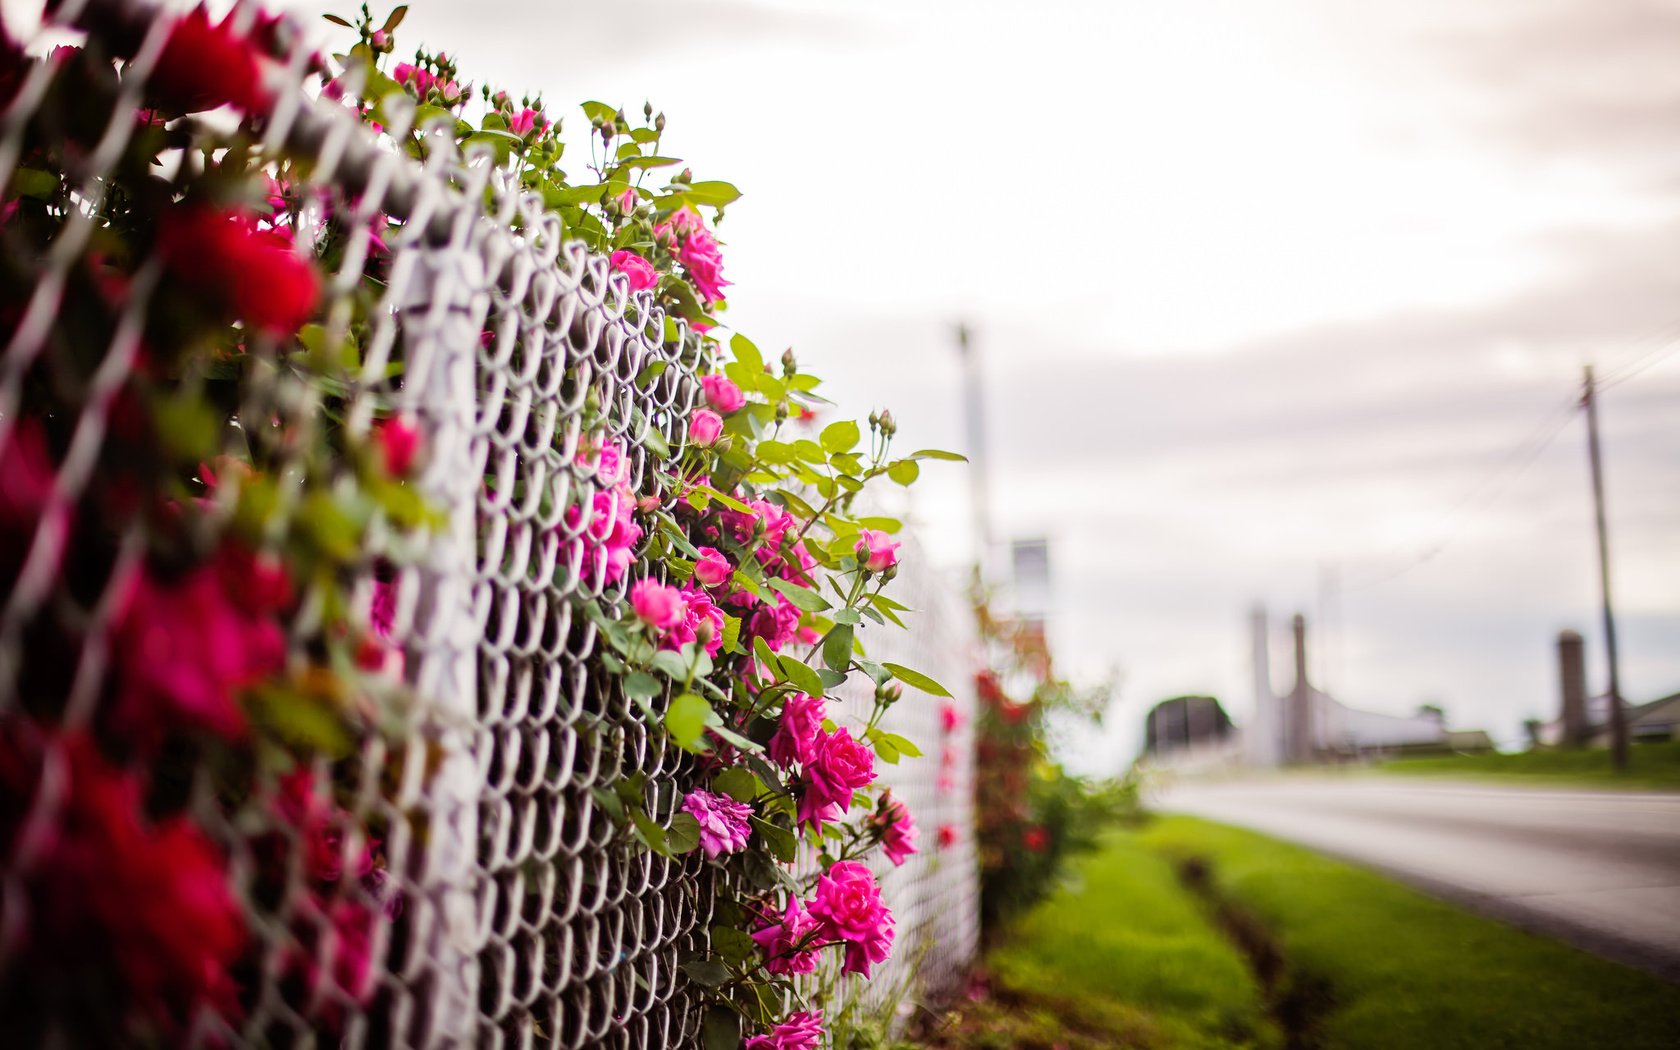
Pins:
x,y
255,274
204,66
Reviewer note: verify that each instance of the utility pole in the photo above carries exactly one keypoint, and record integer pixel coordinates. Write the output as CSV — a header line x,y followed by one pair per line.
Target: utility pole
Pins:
x,y
1618,720
974,414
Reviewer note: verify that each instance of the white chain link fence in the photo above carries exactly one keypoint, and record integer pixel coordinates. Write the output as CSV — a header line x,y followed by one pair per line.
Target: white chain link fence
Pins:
x,y
512,915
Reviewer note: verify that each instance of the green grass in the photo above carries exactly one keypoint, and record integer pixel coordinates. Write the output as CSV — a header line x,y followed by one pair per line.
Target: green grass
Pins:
x,y
1121,956
1649,766
1409,973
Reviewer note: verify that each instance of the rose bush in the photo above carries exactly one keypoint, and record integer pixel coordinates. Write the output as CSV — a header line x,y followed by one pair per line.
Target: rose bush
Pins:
x,y
240,537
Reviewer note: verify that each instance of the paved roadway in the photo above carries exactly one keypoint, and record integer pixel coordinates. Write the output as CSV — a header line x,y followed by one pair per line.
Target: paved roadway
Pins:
x,y
1596,868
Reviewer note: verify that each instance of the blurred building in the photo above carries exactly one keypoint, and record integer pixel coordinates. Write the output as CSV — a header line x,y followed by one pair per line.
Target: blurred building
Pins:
x,y
1584,721
1306,725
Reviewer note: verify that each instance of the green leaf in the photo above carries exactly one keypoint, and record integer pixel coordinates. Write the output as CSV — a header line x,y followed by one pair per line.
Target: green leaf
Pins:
x,y
837,647
731,944
831,679
337,21
840,437
803,677
721,1029
301,717
728,501
671,665
877,674
916,679
780,841
746,353
650,162
684,833
847,616
687,718
731,633
884,750
902,744
738,783
641,684
649,831
717,194
904,471
801,597
880,523
708,973
935,453
599,111
395,18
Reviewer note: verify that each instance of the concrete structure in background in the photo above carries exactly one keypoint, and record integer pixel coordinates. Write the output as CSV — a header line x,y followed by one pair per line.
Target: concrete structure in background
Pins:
x,y
1263,735
1307,725
1572,687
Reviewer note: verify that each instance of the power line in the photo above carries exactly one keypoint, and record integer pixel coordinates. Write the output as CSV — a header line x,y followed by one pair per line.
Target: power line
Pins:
x,y
1493,484
1644,362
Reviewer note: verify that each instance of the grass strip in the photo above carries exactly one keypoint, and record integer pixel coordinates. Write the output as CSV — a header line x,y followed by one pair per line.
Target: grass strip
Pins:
x,y
1650,766
1405,972
1119,956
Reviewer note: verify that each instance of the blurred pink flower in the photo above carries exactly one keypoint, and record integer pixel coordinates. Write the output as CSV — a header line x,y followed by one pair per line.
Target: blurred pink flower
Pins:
x,y
898,829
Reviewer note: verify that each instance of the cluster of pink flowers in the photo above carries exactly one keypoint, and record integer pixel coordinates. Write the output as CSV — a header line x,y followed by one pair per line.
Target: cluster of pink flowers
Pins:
x,y
834,765
113,889
424,80
724,826
848,903
609,540
845,908
679,615
186,647
697,249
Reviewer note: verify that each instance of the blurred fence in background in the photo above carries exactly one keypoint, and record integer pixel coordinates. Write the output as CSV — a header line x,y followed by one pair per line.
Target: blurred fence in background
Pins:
x,y
512,912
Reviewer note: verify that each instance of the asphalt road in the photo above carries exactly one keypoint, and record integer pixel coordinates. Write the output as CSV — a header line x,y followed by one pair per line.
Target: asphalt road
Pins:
x,y
1600,870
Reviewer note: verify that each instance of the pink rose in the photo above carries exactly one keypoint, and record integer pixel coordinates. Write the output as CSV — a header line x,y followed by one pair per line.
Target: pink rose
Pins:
x,y
876,550
838,766
848,903
704,428
702,620
187,647
658,605
523,121
790,946
796,735
722,394
723,822
801,1031
898,829
641,273
627,201
950,717
712,568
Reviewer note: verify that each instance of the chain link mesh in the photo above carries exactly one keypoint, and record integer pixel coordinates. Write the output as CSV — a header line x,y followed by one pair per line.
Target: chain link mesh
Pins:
x,y
505,911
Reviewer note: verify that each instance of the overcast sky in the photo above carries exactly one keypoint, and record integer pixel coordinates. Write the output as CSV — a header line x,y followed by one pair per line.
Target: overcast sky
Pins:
x,y
1274,297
